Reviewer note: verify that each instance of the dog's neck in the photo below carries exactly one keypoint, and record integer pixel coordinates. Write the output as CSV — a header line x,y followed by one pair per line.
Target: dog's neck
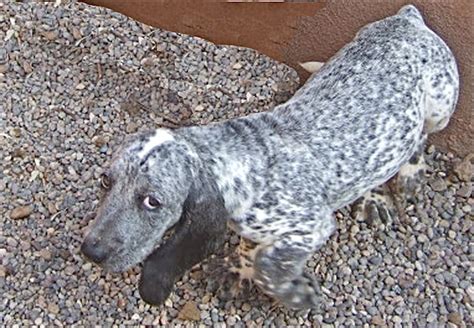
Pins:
x,y
237,155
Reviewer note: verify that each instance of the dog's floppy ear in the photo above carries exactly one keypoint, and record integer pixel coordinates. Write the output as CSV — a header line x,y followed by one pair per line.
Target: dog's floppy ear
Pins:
x,y
199,233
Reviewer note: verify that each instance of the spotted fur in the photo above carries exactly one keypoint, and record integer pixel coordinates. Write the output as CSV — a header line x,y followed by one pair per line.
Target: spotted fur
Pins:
x,y
280,175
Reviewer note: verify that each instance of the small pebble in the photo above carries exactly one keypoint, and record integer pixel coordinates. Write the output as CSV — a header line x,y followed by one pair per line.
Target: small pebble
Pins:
x,y
21,212
53,308
438,184
465,169
465,191
456,318
12,242
431,317
377,320
45,254
189,312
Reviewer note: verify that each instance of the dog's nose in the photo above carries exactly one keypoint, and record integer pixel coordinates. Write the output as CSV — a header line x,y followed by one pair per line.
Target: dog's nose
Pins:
x,y
92,249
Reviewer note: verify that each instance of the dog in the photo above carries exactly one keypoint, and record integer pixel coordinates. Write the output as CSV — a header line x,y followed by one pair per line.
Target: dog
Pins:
x,y
276,178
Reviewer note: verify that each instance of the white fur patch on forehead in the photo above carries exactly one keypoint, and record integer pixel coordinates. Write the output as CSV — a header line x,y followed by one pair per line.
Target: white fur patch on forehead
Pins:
x,y
161,136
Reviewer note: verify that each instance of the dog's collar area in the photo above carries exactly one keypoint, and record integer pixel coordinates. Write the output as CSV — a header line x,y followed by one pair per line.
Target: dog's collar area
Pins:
x,y
166,236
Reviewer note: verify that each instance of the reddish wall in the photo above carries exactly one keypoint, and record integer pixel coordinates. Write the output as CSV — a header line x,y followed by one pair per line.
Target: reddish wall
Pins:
x,y
295,33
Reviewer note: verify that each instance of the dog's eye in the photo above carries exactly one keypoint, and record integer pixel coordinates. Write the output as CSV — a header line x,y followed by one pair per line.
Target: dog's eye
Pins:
x,y
105,181
151,202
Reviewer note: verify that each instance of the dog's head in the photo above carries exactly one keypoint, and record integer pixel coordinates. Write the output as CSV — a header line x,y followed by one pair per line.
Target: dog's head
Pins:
x,y
145,190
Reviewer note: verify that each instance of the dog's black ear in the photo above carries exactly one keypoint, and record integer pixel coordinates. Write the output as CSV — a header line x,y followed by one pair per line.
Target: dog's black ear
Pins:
x,y
199,233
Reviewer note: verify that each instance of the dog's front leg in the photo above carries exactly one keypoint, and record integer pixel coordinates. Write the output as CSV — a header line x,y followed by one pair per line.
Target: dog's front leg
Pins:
x,y
279,267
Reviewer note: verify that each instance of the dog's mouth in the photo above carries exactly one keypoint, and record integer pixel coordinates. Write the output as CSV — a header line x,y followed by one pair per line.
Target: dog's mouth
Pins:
x,y
120,260
121,255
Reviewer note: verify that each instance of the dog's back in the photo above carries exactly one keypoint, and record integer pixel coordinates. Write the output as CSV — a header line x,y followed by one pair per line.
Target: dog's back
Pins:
x,y
363,115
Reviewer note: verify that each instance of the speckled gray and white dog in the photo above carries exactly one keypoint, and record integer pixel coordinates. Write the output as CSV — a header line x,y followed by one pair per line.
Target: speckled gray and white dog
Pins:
x,y
276,178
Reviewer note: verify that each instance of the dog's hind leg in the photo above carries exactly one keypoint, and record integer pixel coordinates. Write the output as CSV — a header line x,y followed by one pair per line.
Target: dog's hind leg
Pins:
x,y
411,176
382,203
441,89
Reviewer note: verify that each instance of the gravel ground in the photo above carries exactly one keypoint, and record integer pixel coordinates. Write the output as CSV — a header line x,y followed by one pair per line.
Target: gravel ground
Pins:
x,y
75,79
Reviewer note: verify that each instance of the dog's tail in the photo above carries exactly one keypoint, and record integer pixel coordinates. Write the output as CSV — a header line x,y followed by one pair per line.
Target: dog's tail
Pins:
x,y
411,13
311,67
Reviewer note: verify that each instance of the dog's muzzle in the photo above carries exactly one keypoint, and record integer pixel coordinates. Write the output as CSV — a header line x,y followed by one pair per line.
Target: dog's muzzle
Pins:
x,y
94,250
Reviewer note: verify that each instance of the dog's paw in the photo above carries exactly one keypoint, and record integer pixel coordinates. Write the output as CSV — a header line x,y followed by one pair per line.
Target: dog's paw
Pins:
x,y
232,286
301,293
229,279
374,207
411,179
